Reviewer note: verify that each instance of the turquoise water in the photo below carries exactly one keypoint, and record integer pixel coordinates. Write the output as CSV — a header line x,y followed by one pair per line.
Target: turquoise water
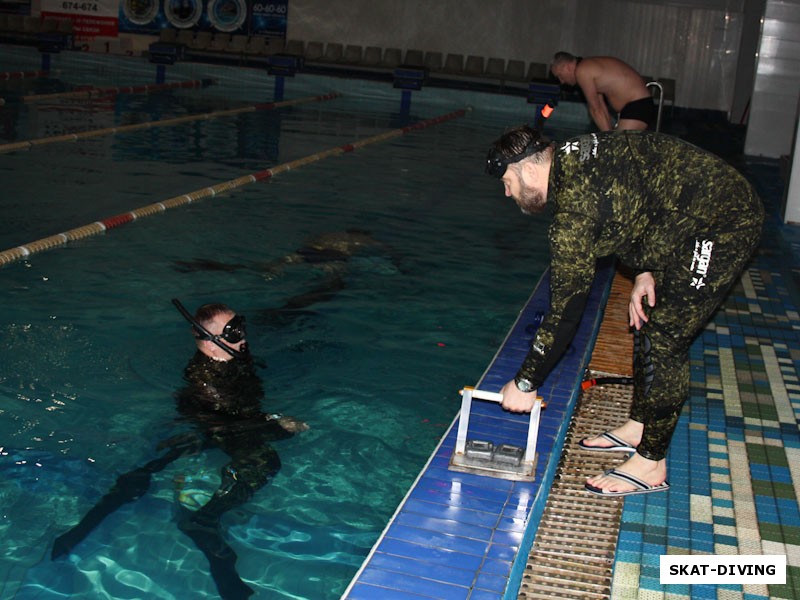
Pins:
x,y
91,349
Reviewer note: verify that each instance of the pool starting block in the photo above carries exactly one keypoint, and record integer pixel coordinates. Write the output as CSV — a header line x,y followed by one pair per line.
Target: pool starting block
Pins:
x,y
504,461
540,92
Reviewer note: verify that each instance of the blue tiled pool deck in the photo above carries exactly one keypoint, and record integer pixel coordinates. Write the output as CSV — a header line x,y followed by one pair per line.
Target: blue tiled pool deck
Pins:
x,y
459,535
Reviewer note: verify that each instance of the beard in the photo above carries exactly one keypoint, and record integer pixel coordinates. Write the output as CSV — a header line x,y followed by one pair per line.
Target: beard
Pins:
x,y
530,201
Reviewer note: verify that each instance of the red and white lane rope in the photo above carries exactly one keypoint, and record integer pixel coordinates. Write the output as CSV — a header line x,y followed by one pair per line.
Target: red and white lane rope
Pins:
x,y
79,233
74,137
93,92
23,74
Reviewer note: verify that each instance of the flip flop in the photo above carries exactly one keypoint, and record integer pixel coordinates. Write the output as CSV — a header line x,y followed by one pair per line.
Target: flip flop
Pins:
x,y
640,487
617,444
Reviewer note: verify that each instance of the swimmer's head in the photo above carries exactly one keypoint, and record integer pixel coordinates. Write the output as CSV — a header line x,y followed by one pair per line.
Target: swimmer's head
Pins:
x,y
211,316
220,327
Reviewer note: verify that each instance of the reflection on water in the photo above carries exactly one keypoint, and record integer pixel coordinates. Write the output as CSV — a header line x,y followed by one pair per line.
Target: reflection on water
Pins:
x,y
91,350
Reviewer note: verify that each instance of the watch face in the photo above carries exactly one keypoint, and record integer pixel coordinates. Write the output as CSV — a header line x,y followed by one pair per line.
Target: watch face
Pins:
x,y
523,385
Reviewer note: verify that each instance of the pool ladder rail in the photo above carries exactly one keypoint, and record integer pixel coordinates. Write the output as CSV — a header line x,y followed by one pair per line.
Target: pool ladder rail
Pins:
x,y
504,461
660,90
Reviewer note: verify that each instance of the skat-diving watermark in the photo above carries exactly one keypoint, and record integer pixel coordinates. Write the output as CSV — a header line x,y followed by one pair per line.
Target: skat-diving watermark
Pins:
x,y
722,569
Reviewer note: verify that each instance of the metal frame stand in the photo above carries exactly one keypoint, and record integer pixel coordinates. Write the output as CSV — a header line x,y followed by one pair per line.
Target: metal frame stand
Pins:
x,y
504,461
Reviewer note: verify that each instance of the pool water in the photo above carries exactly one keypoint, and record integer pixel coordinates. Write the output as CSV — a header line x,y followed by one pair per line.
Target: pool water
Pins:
x,y
92,350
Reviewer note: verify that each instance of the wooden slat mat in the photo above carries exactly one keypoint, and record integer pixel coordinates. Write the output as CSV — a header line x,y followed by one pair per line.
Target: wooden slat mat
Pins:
x,y
573,553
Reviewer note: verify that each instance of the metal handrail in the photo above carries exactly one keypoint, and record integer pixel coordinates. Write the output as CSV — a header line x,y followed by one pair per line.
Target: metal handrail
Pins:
x,y
660,87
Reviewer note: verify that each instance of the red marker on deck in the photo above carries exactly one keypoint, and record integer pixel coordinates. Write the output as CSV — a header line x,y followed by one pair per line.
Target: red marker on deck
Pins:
x,y
544,114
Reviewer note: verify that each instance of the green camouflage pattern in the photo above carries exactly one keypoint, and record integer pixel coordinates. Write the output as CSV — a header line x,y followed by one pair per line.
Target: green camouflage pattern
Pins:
x,y
661,205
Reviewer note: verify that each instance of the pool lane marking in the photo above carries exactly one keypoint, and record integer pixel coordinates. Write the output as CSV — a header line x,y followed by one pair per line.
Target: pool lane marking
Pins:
x,y
79,233
23,74
73,137
93,92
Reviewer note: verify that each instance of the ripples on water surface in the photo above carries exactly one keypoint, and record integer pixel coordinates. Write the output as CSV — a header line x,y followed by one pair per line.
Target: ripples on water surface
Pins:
x,y
91,349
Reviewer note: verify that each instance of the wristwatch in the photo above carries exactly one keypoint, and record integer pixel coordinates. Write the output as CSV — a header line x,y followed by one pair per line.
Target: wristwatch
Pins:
x,y
524,385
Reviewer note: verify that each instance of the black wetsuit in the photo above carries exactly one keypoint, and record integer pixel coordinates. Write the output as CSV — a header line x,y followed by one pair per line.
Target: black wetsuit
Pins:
x,y
222,402
660,205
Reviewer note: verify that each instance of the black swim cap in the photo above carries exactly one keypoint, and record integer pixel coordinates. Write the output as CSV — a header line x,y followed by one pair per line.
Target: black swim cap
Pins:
x,y
496,160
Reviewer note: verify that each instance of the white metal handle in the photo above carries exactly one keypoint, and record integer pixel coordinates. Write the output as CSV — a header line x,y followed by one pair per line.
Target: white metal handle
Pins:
x,y
490,396
483,394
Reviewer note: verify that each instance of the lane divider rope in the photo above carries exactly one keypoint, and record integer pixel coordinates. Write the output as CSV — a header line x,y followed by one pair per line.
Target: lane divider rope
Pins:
x,y
79,233
23,74
72,137
93,92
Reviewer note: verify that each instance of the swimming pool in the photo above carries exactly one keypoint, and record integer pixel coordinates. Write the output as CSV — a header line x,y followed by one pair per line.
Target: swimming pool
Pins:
x,y
93,350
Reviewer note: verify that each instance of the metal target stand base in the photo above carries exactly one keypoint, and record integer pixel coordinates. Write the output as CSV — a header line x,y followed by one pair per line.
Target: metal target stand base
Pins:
x,y
503,461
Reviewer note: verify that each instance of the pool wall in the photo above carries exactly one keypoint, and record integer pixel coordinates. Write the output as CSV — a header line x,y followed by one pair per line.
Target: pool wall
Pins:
x,y
460,535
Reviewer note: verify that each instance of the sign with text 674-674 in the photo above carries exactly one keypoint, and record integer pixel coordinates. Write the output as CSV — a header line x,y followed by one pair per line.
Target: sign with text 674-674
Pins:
x,y
90,18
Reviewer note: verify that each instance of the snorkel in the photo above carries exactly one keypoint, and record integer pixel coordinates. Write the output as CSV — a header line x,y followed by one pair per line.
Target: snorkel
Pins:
x,y
234,332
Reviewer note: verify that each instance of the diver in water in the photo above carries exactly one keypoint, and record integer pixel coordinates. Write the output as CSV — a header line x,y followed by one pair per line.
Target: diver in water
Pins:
x,y
329,252
222,401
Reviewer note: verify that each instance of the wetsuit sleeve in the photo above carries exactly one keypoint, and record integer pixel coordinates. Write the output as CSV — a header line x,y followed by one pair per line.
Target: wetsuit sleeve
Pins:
x,y
572,269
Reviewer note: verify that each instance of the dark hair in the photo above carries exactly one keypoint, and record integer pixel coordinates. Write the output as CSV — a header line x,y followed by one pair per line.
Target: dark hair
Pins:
x,y
517,141
514,146
206,313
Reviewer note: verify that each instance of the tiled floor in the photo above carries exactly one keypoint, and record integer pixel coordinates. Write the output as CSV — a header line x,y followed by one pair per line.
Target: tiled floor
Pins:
x,y
734,463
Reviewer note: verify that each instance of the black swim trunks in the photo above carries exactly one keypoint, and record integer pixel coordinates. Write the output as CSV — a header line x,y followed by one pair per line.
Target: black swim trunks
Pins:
x,y
643,110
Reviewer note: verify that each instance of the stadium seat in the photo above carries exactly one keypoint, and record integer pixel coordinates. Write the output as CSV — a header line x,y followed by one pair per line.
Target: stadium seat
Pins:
x,y
372,56
434,61
391,58
454,63
473,65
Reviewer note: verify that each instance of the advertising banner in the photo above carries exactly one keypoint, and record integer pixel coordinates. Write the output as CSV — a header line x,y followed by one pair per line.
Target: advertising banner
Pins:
x,y
243,17
90,18
269,18
141,16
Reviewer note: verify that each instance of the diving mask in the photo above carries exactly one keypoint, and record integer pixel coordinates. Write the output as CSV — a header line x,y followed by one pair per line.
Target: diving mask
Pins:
x,y
233,332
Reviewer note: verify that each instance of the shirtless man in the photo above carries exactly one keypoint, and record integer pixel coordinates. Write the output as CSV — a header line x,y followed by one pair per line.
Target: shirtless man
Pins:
x,y
604,79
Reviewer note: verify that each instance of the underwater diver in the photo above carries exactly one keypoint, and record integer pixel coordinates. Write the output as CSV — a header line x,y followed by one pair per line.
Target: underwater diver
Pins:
x,y
330,252
222,401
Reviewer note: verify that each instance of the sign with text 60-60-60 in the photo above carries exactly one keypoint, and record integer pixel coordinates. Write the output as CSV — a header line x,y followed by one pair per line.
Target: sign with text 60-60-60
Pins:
x,y
268,17
90,18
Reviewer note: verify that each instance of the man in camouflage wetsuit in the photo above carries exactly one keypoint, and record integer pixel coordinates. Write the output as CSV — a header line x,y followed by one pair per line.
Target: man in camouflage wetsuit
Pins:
x,y
684,220
222,400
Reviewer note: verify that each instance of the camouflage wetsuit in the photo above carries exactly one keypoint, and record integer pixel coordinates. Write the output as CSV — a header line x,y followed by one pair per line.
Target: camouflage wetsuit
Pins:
x,y
223,402
660,205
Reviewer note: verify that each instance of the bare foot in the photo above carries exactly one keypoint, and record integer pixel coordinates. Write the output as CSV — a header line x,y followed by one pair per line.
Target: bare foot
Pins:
x,y
630,433
652,472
